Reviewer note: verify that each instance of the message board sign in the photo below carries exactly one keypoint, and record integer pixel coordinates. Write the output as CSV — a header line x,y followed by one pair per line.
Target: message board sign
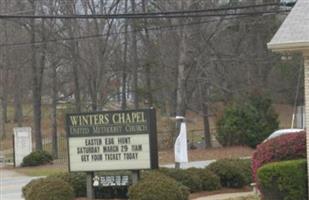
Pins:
x,y
116,140
22,144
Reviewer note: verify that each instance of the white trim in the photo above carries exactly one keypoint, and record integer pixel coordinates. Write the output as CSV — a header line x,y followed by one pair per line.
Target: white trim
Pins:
x,y
289,46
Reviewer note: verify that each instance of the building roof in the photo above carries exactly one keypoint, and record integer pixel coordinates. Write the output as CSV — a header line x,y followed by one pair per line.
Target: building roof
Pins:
x,y
293,35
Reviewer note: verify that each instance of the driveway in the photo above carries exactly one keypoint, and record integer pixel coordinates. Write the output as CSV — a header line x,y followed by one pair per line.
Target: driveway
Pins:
x,y
11,184
197,164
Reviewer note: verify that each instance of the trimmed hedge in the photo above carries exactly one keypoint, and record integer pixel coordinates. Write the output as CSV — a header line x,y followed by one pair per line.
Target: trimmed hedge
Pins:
x,y
27,188
48,189
193,178
285,147
76,180
209,180
233,173
37,158
157,186
190,180
286,180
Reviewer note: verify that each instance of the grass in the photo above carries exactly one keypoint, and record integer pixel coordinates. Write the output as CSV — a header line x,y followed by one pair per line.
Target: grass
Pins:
x,y
166,157
45,170
39,172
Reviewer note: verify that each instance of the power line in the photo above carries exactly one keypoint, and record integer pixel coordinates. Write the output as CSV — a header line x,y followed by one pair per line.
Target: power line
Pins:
x,y
207,10
17,12
151,15
168,27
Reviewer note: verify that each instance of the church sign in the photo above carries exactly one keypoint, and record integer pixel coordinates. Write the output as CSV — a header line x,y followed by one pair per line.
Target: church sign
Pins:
x,y
116,140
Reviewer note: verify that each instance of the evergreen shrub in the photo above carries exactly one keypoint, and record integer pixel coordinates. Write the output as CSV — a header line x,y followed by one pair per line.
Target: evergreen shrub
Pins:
x,y
49,189
233,173
247,123
209,181
285,180
76,180
37,158
190,180
157,186
27,188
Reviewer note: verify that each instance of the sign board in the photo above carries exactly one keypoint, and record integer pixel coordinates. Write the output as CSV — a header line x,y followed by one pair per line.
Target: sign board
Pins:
x,y
111,181
22,144
116,140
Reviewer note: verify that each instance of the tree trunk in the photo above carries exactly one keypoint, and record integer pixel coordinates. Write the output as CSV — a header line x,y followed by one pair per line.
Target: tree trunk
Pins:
x,y
7,65
93,94
2,123
36,99
37,78
18,108
203,96
78,106
75,68
125,62
54,113
4,105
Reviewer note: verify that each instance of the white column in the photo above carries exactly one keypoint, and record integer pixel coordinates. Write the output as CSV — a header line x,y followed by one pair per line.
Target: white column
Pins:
x,y
306,70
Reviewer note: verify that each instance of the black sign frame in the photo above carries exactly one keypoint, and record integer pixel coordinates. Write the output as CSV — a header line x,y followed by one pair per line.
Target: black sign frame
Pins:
x,y
151,122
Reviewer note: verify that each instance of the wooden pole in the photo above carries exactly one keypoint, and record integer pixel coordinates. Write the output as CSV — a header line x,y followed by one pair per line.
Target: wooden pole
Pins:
x,y
306,70
90,193
135,176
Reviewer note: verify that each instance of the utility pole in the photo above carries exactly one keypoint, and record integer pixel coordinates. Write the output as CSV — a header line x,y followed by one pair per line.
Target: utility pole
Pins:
x,y
181,88
125,62
147,65
135,58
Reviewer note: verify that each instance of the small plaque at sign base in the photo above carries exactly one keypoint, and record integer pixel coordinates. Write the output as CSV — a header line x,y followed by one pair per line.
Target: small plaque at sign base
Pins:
x,y
111,181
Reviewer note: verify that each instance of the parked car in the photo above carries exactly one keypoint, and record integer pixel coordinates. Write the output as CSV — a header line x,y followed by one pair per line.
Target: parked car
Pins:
x,y
283,132
288,2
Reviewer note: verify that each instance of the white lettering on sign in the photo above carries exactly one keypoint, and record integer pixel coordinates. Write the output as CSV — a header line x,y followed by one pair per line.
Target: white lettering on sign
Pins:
x,y
109,152
107,181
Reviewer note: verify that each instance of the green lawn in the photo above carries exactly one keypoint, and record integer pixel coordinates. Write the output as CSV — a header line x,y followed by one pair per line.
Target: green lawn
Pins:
x,y
41,170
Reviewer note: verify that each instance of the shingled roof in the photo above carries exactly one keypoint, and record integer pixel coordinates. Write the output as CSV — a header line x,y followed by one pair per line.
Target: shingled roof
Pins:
x,y
293,35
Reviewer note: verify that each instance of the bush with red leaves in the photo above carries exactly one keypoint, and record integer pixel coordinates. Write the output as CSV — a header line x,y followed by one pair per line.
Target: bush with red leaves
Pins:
x,y
286,147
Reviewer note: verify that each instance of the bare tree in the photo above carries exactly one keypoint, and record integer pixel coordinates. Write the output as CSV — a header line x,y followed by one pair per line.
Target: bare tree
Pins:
x,y
135,57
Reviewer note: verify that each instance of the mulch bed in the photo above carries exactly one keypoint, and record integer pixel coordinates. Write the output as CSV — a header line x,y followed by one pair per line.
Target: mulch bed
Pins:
x,y
200,194
221,191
